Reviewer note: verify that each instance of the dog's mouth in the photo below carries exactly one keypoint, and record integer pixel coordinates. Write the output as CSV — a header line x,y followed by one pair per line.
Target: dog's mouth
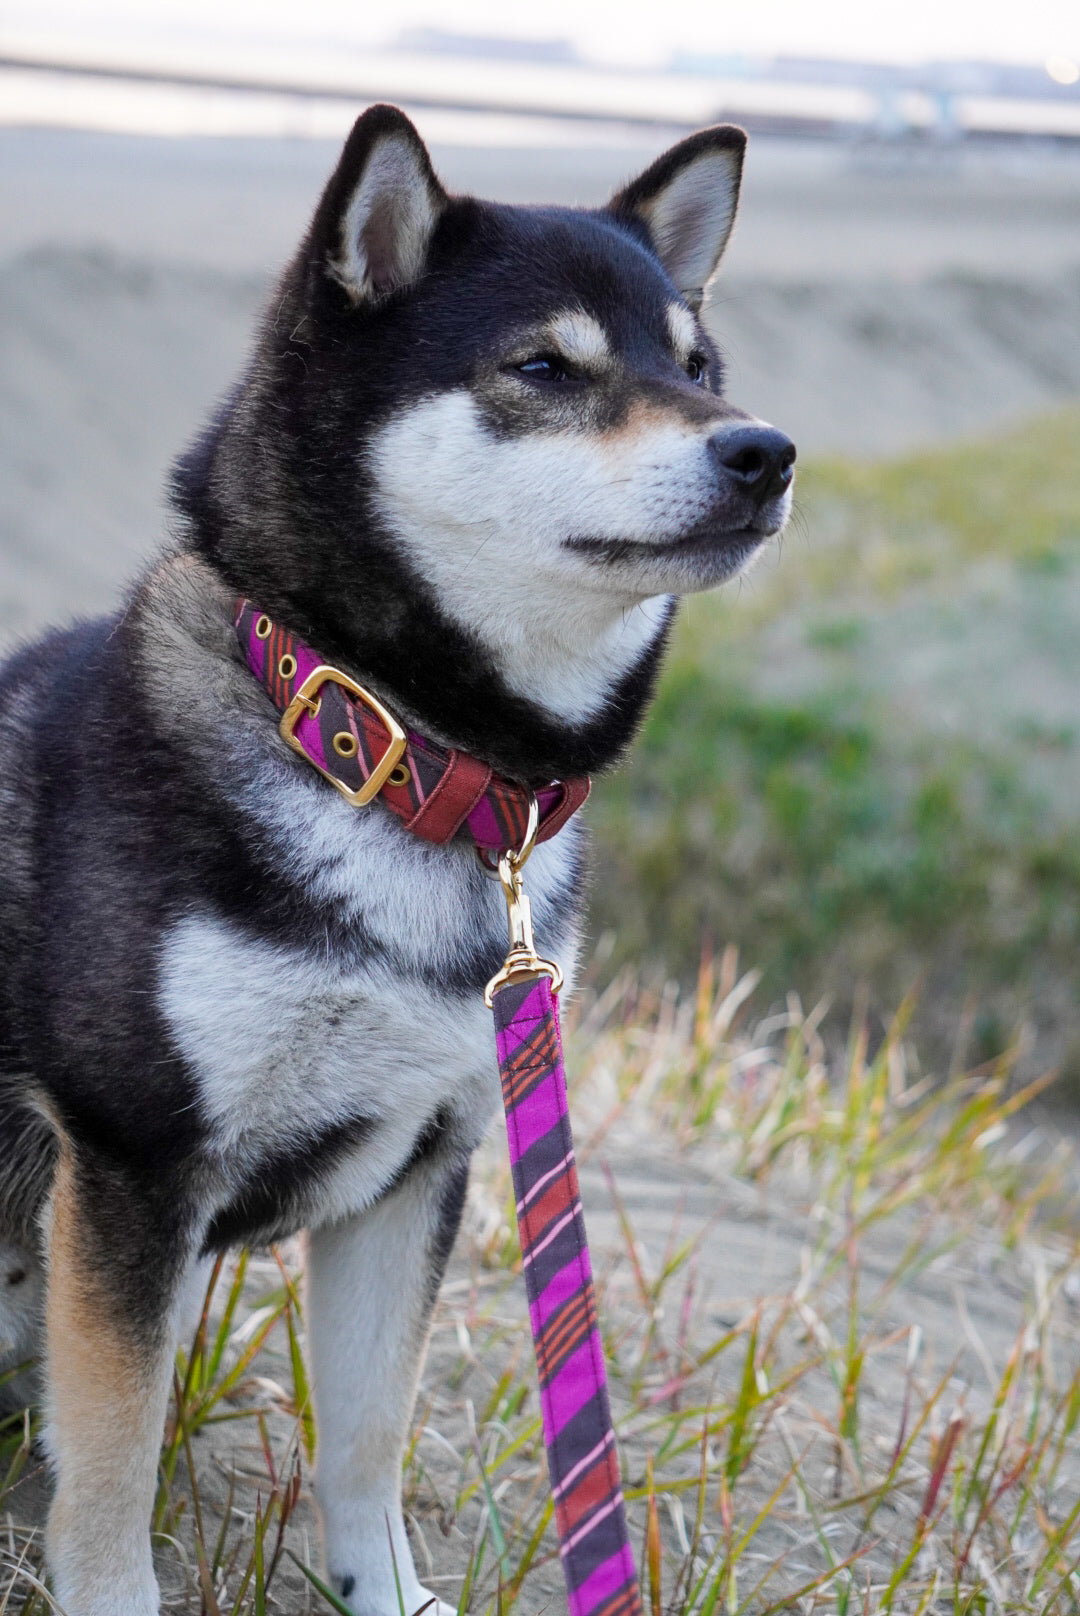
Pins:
x,y
709,545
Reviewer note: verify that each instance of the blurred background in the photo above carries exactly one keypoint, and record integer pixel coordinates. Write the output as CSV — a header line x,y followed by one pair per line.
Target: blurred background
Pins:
x,y
864,766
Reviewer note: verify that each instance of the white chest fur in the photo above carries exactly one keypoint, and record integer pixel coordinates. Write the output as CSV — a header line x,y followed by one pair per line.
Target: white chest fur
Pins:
x,y
287,1042
286,1047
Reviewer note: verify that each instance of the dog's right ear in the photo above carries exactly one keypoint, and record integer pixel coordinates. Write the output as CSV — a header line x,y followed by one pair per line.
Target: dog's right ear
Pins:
x,y
374,223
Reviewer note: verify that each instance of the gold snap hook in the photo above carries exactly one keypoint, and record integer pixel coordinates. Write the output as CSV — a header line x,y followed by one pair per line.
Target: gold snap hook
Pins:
x,y
522,963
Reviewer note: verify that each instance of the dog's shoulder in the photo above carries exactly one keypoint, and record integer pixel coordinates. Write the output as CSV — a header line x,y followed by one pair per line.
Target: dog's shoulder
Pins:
x,y
228,961
44,688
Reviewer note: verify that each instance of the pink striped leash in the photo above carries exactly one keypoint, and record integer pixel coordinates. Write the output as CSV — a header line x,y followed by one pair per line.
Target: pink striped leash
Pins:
x,y
583,1466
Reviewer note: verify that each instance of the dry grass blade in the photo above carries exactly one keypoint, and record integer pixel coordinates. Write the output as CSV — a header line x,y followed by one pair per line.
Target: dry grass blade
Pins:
x,y
833,1436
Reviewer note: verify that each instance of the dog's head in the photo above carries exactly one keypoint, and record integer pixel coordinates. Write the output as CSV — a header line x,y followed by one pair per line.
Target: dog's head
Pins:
x,y
512,413
554,395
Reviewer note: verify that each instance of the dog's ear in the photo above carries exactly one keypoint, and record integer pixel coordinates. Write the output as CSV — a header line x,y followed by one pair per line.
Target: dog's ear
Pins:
x,y
374,223
687,201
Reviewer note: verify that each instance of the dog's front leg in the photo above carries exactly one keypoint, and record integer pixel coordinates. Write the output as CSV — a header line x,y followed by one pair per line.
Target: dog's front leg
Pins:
x,y
371,1284
110,1340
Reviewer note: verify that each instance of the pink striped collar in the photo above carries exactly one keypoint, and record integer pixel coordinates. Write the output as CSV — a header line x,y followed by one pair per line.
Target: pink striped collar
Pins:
x,y
358,745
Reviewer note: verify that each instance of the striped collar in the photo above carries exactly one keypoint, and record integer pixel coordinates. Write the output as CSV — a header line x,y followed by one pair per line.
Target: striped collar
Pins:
x,y
358,745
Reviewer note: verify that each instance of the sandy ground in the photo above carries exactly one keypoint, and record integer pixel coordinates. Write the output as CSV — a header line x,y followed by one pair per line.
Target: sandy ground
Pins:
x,y
959,1317
865,307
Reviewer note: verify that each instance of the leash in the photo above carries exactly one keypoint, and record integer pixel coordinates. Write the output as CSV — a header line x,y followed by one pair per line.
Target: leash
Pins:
x,y
583,1466
357,744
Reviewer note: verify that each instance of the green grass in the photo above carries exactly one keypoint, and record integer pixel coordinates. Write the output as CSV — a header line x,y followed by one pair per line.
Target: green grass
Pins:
x,y
796,789
1015,495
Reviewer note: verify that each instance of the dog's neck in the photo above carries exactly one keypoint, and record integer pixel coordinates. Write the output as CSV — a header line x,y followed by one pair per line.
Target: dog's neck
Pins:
x,y
566,655
534,709
547,706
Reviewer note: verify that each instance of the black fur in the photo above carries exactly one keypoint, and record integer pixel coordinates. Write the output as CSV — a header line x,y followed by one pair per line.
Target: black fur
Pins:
x,y
276,1201
451,1208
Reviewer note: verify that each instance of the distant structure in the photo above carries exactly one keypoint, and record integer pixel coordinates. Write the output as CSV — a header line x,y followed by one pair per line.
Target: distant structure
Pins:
x,y
943,101
928,106
487,47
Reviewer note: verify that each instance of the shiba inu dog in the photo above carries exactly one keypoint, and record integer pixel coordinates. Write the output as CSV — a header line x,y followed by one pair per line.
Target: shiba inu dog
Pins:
x,y
477,454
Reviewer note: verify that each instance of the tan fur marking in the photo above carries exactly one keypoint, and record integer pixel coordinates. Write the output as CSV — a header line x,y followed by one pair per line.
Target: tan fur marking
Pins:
x,y
106,1400
644,418
580,339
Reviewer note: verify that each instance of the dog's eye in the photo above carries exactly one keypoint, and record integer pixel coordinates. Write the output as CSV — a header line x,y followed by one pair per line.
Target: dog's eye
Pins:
x,y
545,368
695,368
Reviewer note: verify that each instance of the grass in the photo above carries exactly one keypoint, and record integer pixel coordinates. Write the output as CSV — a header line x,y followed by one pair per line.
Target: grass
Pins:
x,y
809,1455
862,1431
866,767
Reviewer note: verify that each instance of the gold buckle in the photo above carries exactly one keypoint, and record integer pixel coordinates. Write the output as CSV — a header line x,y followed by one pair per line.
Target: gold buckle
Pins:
x,y
304,701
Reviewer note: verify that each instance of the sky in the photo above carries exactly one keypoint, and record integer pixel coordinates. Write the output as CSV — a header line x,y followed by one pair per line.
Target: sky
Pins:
x,y
612,31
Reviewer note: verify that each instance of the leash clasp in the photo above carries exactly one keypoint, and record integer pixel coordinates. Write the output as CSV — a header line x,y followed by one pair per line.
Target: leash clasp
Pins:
x,y
522,963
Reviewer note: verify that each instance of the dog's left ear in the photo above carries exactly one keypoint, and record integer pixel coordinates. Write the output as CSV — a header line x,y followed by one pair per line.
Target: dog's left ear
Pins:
x,y
374,223
687,201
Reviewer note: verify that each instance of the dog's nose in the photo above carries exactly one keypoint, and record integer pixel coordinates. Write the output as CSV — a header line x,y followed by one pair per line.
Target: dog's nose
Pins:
x,y
760,458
